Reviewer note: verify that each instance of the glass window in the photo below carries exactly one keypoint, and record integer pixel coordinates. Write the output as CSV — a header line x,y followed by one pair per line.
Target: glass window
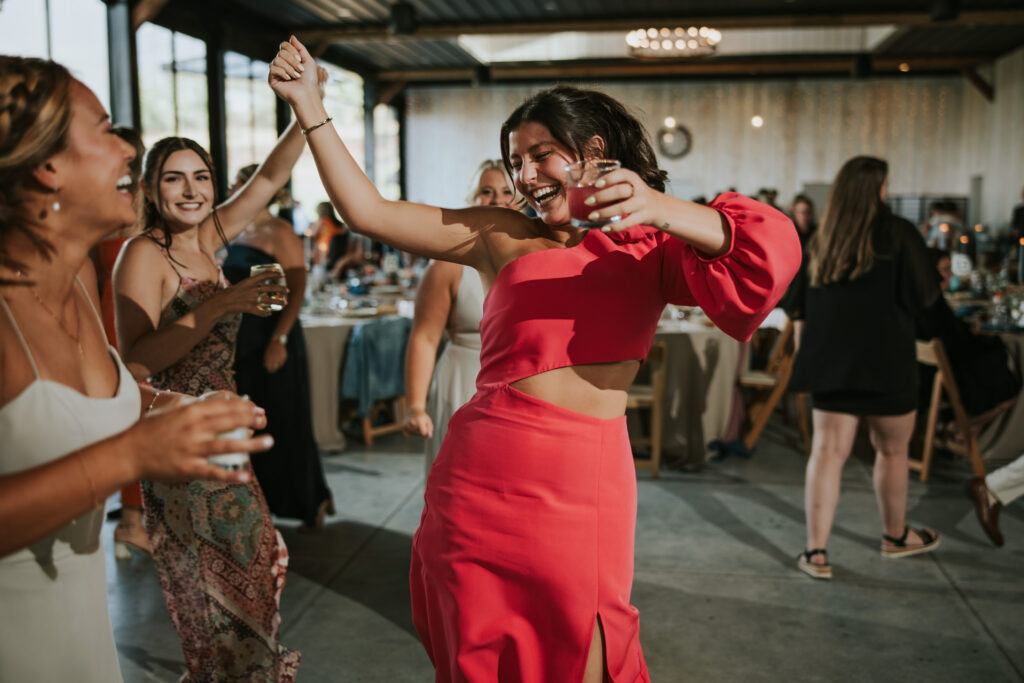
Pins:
x,y
192,102
172,85
250,106
78,39
387,160
156,83
23,28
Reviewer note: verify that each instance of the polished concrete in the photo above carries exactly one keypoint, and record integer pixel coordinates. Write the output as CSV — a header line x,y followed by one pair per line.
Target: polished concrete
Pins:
x,y
719,596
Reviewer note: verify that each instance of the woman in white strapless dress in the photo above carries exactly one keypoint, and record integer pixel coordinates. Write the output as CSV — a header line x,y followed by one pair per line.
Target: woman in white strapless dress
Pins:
x,y
450,297
69,409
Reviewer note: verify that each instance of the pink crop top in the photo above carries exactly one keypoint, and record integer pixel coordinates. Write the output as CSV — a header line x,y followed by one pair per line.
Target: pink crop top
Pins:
x,y
600,301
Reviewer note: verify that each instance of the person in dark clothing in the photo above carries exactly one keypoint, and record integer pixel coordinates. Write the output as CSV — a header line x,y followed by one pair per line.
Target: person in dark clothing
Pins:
x,y
865,278
981,364
802,213
270,366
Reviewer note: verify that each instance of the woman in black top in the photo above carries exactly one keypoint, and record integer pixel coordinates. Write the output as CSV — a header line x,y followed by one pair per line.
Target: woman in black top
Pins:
x,y
866,275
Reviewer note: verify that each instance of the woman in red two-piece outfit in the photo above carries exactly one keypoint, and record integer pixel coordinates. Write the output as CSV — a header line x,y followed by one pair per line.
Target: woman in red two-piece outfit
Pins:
x,y
523,562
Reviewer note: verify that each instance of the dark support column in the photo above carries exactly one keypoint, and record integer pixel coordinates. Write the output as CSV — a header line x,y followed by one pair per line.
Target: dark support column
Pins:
x,y
369,143
124,84
218,117
399,104
283,115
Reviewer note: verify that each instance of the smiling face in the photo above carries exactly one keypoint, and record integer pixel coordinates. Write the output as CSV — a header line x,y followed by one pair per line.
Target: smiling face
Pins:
x,y
538,161
184,190
493,190
95,178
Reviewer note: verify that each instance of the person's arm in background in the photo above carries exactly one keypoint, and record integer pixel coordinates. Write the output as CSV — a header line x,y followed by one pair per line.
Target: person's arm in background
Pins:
x,y
434,301
288,253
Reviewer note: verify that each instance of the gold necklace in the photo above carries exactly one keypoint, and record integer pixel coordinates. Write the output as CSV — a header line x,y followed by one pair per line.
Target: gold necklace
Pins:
x,y
72,337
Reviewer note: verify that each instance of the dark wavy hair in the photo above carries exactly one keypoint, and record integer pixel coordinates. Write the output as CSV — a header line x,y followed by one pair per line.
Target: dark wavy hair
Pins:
x,y
35,115
574,116
152,168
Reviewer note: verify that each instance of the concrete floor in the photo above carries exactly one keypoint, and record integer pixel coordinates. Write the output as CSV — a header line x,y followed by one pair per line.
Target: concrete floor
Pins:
x,y
719,596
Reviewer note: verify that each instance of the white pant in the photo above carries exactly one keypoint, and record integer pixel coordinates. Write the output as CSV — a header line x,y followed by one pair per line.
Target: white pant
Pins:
x,y
1007,483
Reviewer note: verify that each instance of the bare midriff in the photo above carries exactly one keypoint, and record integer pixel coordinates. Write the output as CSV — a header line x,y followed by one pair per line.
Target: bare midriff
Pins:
x,y
598,390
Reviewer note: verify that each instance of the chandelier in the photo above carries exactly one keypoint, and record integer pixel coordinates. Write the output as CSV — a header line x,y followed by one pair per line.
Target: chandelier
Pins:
x,y
673,42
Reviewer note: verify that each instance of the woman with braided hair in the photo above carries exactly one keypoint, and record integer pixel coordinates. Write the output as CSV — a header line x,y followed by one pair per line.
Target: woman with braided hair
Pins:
x,y
69,409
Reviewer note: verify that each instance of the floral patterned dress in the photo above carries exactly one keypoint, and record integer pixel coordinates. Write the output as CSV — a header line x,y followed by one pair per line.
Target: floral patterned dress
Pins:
x,y
221,562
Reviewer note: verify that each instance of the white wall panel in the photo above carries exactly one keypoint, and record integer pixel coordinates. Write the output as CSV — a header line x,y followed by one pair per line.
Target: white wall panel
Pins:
x,y
935,133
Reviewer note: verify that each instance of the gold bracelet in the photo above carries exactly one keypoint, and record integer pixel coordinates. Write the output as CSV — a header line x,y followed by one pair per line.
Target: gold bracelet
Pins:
x,y
307,131
88,478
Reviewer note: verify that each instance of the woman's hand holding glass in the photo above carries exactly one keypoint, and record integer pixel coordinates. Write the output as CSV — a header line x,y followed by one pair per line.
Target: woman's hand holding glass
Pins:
x,y
173,444
624,194
252,295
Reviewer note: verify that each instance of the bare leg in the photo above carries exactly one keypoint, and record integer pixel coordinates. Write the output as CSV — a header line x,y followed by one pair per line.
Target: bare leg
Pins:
x,y
890,436
833,441
594,673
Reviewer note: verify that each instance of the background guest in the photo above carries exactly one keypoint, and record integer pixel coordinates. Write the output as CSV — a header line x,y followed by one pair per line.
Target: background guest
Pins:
x,y
865,279
129,532
450,297
802,213
270,368
177,321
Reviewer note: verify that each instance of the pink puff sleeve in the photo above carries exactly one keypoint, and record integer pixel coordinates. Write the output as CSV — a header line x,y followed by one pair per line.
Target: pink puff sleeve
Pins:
x,y
738,289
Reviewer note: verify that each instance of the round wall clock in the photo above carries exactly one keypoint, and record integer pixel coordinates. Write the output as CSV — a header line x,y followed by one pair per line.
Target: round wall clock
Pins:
x,y
675,141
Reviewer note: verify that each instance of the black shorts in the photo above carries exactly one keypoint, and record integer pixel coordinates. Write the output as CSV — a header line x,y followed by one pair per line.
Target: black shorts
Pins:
x,y
867,402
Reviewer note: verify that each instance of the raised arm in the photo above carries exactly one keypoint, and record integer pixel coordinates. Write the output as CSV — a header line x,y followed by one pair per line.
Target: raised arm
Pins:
x,y
459,235
433,307
243,206
288,252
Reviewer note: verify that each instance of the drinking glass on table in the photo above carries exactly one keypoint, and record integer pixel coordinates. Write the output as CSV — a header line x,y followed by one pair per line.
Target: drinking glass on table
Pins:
x,y
579,184
275,301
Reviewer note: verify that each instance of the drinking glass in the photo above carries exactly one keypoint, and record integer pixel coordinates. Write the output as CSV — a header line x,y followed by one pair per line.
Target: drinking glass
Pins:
x,y
231,461
274,301
579,184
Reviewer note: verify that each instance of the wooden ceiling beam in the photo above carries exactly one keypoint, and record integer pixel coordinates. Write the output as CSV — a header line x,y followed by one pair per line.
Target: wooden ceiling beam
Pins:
x,y
547,71
353,34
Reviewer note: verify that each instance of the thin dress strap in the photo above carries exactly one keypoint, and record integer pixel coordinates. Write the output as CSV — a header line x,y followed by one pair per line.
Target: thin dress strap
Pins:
x,y
92,305
21,337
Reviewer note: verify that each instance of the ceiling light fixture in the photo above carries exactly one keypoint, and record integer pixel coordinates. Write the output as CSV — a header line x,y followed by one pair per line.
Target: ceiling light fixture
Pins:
x,y
663,42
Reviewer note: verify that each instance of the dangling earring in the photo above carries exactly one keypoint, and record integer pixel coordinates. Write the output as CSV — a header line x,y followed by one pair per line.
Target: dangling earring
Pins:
x,y
56,202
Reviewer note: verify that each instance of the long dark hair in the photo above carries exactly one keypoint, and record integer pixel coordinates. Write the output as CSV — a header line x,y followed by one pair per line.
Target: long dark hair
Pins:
x,y
841,248
152,168
574,116
35,115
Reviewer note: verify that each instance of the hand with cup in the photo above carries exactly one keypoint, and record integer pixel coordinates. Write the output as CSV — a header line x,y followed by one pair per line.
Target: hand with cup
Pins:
x,y
604,195
255,295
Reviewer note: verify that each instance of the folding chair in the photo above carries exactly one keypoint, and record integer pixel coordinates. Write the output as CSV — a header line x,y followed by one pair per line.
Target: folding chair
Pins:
x,y
933,353
651,397
768,386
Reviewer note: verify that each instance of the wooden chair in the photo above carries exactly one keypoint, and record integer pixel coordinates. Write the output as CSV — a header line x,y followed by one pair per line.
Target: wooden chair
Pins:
x,y
768,386
370,431
651,397
933,353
